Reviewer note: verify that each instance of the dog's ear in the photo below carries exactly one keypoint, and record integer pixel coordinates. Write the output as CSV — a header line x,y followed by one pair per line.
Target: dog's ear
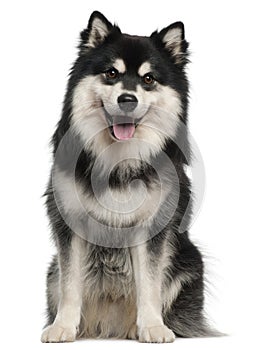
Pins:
x,y
97,31
173,39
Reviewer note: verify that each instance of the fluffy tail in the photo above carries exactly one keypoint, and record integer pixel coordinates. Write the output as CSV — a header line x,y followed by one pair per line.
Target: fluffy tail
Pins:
x,y
186,326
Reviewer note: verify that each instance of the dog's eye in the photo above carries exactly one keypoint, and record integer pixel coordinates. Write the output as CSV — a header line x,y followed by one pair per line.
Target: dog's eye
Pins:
x,y
112,73
148,79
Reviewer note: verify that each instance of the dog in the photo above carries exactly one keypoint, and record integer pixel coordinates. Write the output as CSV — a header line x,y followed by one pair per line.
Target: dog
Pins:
x,y
119,193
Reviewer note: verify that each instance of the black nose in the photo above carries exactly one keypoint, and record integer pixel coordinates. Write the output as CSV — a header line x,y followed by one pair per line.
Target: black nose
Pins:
x,y
127,102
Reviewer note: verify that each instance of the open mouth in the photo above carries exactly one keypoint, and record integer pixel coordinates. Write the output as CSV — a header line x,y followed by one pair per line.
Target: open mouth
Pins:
x,y
124,131
122,128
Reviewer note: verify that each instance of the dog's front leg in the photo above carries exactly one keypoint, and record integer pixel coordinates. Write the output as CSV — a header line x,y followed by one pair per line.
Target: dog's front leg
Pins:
x,y
148,280
64,328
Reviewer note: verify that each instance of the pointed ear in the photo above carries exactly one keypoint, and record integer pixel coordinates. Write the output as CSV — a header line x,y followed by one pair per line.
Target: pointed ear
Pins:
x,y
173,39
97,31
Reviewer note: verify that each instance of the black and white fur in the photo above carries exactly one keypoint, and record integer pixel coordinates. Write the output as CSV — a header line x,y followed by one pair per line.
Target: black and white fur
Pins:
x,y
153,290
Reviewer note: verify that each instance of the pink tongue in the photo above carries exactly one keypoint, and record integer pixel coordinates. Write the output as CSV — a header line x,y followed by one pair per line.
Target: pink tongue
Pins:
x,y
123,131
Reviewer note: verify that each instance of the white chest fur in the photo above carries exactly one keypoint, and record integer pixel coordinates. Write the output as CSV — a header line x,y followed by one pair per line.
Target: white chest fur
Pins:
x,y
117,207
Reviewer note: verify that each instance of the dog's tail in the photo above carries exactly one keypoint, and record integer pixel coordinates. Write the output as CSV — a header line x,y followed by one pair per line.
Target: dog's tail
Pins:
x,y
186,326
194,331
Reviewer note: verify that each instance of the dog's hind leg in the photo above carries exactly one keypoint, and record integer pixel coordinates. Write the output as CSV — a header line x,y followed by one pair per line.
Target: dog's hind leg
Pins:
x,y
52,291
183,292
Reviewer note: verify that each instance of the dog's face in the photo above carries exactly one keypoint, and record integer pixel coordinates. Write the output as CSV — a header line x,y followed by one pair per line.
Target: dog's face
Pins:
x,y
128,90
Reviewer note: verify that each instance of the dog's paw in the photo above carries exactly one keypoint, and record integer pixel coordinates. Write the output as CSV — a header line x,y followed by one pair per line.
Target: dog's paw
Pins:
x,y
156,334
132,334
57,334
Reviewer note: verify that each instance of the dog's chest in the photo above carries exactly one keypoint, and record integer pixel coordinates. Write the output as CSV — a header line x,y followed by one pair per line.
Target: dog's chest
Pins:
x,y
124,207
120,207
109,272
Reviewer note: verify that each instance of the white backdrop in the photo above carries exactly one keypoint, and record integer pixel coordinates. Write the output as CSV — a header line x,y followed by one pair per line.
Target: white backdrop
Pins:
x,y
38,45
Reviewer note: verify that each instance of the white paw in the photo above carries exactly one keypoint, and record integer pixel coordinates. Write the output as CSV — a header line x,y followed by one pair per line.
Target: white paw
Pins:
x,y
57,334
156,334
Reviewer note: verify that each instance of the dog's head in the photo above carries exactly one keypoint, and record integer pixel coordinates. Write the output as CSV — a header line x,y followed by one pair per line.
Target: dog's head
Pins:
x,y
128,89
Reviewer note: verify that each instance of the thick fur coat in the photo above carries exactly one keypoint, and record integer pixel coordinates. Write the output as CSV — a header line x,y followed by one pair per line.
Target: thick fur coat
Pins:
x,y
118,193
